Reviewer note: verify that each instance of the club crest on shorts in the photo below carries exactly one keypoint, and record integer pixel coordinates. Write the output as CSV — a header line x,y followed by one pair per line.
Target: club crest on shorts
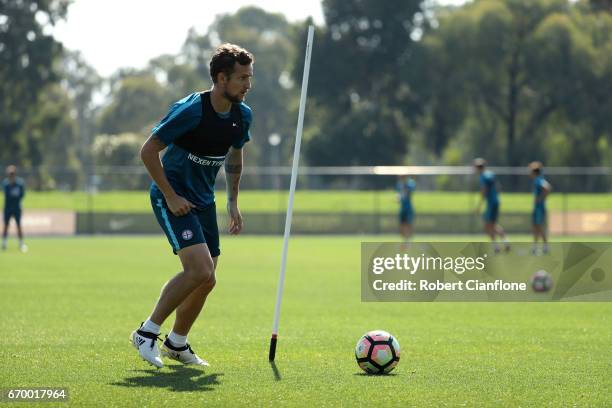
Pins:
x,y
187,234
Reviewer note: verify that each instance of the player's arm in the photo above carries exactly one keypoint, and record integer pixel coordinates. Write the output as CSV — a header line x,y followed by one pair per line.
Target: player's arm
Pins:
x,y
233,172
410,189
483,194
546,187
150,157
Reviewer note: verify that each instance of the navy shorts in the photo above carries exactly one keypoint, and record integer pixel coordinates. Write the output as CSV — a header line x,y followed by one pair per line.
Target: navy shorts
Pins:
x,y
538,216
12,213
406,216
199,226
491,213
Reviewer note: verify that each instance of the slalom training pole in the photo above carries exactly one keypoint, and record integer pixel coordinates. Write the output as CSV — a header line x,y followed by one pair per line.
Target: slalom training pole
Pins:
x,y
294,174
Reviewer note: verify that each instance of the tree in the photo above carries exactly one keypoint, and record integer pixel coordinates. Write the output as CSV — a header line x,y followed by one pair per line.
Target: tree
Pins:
x,y
177,77
272,41
601,5
81,82
138,100
359,80
52,141
27,56
113,151
496,50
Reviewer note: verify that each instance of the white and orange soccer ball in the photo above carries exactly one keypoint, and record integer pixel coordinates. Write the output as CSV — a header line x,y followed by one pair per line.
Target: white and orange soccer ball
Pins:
x,y
377,352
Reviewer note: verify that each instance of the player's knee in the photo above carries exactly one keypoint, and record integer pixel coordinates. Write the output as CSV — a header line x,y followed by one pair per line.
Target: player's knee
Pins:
x,y
209,285
202,271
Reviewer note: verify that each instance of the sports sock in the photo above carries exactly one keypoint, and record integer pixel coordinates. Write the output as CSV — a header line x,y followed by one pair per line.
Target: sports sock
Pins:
x,y
177,340
545,248
150,327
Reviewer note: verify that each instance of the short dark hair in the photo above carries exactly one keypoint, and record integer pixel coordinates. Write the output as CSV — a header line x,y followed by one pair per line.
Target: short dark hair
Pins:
x,y
479,162
225,57
536,167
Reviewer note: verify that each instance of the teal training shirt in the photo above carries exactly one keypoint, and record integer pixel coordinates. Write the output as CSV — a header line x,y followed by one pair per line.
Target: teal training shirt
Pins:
x,y
487,180
538,187
198,139
405,190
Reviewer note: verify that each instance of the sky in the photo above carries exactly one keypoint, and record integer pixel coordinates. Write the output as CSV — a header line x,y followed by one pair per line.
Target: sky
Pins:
x,y
143,29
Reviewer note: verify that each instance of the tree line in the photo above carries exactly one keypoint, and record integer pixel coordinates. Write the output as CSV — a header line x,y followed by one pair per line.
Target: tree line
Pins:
x,y
391,83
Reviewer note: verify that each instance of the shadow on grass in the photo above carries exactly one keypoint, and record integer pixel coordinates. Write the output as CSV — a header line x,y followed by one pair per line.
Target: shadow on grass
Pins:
x,y
362,374
177,378
277,375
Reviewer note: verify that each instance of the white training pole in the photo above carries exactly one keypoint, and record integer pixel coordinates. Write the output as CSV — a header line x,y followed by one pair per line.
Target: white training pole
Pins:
x,y
294,173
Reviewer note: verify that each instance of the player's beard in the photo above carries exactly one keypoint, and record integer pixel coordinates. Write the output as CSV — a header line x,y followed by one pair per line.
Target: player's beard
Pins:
x,y
233,98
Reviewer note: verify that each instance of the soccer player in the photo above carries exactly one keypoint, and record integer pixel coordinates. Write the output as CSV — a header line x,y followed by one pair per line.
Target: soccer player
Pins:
x,y
541,189
488,193
201,133
14,191
405,187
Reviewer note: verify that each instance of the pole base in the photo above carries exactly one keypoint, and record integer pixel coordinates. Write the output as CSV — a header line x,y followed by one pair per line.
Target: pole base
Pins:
x,y
272,353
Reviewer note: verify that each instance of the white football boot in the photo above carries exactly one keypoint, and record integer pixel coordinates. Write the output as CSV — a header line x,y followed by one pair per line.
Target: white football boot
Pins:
x,y
183,354
146,343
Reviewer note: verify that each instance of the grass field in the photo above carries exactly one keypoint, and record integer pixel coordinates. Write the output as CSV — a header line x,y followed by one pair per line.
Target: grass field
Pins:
x,y
70,304
320,201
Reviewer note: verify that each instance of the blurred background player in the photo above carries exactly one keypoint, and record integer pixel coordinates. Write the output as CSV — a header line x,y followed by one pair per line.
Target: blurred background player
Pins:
x,y
14,191
488,193
541,189
405,187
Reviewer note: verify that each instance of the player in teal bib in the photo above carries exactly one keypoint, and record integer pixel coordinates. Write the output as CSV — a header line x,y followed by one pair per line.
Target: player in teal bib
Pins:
x,y
14,191
541,189
200,133
405,187
488,193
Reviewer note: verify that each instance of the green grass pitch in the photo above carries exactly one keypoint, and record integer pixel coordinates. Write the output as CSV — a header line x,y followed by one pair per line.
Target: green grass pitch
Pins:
x,y
69,305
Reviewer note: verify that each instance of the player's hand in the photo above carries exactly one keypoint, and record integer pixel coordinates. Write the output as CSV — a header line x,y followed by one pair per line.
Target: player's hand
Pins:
x,y
179,206
235,222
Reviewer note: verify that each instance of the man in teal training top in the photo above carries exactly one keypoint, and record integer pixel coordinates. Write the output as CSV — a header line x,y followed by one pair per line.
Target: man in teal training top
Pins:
x,y
541,189
489,193
200,133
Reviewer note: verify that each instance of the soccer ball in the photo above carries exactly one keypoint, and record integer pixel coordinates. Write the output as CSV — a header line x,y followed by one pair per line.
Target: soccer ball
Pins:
x,y
541,281
377,352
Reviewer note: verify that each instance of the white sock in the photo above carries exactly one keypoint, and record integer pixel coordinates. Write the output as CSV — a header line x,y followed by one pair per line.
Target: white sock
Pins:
x,y
3,242
150,327
177,340
545,247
